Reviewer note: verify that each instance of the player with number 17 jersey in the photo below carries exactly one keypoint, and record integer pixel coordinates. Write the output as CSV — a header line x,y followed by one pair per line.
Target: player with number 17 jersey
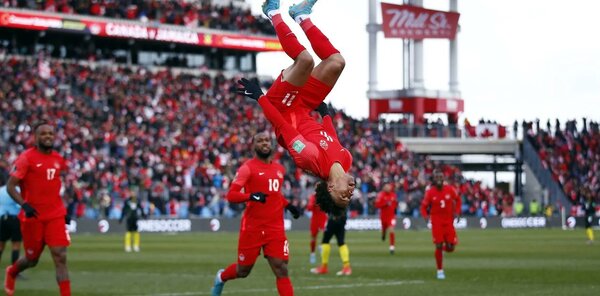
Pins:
x,y
40,183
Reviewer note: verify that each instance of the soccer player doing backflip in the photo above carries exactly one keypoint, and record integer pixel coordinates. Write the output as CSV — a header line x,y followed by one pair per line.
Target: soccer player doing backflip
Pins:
x,y
299,89
442,205
258,183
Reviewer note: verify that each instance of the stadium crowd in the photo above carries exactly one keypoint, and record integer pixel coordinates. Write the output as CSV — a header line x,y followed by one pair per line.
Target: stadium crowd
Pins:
x,y
191,14
571,154
175,140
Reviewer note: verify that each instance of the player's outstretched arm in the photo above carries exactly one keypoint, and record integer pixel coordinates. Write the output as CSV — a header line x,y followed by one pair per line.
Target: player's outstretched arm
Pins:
x,y
249,89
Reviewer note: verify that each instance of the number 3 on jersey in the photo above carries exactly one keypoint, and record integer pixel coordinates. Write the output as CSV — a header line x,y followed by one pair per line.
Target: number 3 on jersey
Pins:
x,y
273,185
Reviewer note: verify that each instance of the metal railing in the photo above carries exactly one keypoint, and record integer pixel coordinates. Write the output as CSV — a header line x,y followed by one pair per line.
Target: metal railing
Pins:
x,y
544,176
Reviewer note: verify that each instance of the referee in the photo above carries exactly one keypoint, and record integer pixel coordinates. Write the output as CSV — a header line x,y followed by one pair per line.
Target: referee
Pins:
x,y
10,227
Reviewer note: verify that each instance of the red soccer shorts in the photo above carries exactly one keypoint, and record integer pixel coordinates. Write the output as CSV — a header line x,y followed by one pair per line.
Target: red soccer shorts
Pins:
x,y
387,222
285,96
273,244
317,225
444,232
37,234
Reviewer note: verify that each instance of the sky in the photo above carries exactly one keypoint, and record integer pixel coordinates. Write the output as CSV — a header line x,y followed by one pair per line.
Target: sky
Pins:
x,y
516,59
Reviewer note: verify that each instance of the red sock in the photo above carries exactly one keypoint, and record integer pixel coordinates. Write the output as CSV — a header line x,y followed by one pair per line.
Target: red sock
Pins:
x,y
288,40
14,270
319,42
65,288
313,245
392,238
284,286
230,273
438,258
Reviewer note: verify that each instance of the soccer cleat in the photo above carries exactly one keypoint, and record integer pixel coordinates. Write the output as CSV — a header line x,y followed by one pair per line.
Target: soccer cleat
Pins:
x,y
345,271
217,288
319,270
270,5
127,249
313,258
441,275
392,249
9,282
136,249
302,8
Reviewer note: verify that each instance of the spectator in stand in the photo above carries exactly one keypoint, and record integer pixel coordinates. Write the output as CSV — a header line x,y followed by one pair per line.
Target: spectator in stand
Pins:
x,y
109,120
206,14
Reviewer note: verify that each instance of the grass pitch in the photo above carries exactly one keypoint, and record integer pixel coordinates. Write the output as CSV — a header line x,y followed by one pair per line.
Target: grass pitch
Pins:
x,y
490,262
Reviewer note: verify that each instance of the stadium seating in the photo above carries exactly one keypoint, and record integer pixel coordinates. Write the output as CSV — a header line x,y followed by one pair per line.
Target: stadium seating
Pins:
x,y
571,154
176,140
185,13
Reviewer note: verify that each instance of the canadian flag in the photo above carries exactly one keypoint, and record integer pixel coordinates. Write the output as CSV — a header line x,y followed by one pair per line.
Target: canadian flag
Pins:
x,y
490,130
487,130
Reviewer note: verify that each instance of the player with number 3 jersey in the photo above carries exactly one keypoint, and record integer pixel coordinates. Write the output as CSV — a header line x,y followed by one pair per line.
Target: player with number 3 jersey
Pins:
x,y
443,205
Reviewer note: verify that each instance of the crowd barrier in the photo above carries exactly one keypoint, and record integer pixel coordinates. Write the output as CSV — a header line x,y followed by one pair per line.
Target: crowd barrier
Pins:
x,y
302,224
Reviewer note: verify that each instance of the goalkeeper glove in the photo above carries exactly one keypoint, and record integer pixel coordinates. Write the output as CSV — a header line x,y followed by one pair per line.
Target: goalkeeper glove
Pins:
x,y
258,197
249,89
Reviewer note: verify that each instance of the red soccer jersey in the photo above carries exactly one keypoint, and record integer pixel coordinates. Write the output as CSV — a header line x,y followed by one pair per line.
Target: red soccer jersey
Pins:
x,y
330,151
314,146
317,214
387,202
40,182
443,204
257,176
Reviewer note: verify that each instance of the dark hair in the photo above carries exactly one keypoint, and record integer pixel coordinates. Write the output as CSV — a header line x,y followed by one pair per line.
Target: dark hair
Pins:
x,y
324,200
37,124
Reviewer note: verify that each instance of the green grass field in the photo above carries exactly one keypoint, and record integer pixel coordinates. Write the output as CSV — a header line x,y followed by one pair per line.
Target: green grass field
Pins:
x,y
490,262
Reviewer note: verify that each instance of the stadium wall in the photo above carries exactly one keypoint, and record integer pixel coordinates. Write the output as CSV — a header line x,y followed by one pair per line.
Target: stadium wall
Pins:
x,y
302,224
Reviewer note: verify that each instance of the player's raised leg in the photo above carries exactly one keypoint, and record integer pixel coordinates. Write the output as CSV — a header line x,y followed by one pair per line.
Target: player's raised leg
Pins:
x,y
345,256
233,271
313,246
297,74
392,240
279,267
218,284
325,251
59,256
332,63
439,257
